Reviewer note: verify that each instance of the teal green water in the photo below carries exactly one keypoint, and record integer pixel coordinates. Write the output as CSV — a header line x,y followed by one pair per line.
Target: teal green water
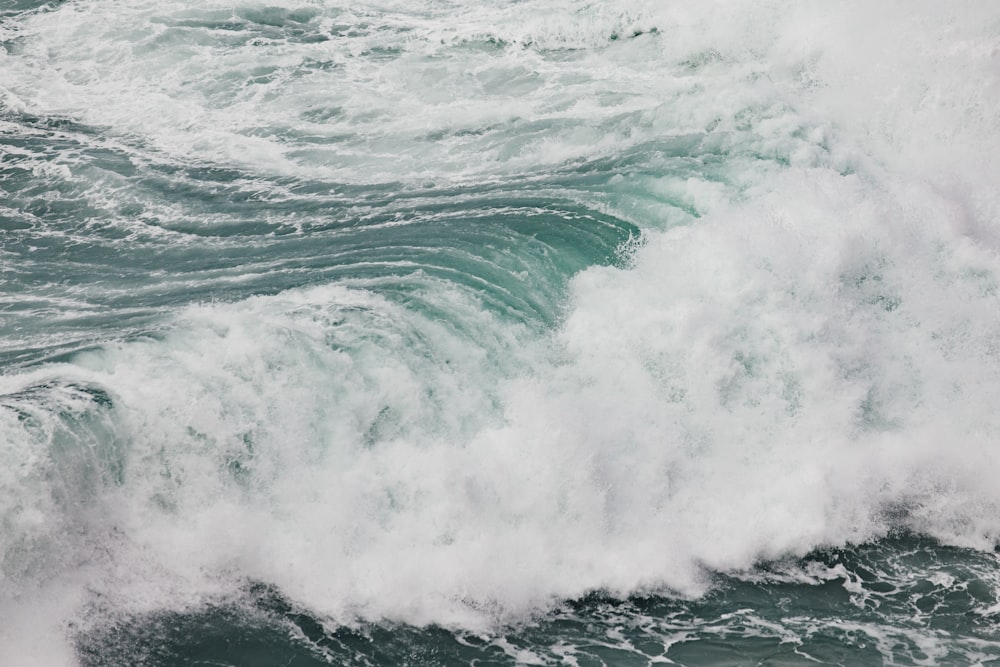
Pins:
x,y
231,235
499,333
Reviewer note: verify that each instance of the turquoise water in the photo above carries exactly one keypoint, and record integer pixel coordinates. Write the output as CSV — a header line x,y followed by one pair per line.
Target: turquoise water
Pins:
x,y
499,333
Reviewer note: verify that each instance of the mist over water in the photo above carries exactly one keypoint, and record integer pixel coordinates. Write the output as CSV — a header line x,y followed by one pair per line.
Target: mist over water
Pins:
x,y
509,332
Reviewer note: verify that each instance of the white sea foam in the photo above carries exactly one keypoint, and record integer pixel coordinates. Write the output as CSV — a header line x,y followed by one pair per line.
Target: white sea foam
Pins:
x,y
813,361
397,93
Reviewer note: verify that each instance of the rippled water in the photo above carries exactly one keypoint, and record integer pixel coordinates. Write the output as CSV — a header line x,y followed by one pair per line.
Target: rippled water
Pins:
x,y
499,332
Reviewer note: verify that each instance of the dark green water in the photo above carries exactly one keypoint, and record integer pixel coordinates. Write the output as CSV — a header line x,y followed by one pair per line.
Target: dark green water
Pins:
x,y
904,601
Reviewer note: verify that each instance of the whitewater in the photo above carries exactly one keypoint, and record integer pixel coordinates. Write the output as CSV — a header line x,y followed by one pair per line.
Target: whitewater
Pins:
x,y
499,332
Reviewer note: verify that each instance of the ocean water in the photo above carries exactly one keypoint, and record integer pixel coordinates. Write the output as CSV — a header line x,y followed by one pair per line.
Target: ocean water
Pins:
x,y
499,332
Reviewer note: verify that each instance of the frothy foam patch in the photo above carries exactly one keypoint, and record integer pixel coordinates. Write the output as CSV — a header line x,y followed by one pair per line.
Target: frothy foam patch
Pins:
x,y
320,91
826,331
